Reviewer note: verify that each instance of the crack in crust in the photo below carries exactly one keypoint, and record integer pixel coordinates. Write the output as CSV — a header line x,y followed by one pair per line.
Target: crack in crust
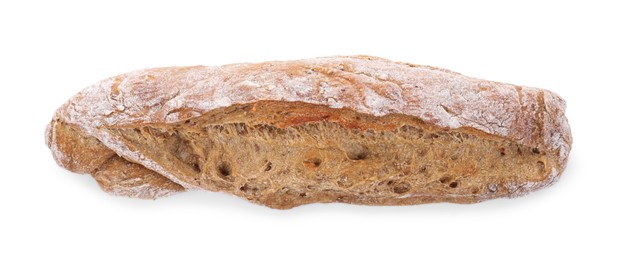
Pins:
x,y
285,154
368,85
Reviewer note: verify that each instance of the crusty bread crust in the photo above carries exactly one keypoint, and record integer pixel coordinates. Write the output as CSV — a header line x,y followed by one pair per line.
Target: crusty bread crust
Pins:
x,y
80,139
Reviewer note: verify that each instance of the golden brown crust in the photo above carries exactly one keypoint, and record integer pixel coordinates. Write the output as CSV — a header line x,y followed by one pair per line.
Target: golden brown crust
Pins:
x,y
84,154
432,98
121,177
75,150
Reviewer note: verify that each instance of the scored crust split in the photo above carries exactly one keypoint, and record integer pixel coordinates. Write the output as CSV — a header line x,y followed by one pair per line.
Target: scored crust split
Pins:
x,y
353,129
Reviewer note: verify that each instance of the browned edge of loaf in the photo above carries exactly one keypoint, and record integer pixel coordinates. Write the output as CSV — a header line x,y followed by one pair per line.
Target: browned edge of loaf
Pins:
x,y
81,153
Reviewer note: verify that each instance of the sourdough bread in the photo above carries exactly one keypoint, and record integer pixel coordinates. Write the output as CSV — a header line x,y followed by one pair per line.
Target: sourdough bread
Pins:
x,y
356,129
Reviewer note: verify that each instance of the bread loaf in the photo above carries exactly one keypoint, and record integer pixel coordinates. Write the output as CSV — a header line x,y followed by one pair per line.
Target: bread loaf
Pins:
x,y
356,129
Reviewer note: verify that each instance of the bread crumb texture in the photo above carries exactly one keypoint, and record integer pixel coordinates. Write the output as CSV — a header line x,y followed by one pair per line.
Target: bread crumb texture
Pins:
x,y
359,130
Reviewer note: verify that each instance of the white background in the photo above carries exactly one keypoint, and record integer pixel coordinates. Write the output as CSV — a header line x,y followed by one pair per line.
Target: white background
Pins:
x,y
50,50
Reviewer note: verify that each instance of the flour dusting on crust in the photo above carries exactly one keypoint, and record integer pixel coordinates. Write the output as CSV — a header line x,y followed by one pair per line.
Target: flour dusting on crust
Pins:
x,y
526,116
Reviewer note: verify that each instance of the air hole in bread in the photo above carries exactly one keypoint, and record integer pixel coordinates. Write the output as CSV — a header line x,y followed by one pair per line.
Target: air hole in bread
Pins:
x,y
445,179
224,170
535,150
475,190
312,162
197,167
250,189
454,184
401,187
541,165
502,151
356,152
268,167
